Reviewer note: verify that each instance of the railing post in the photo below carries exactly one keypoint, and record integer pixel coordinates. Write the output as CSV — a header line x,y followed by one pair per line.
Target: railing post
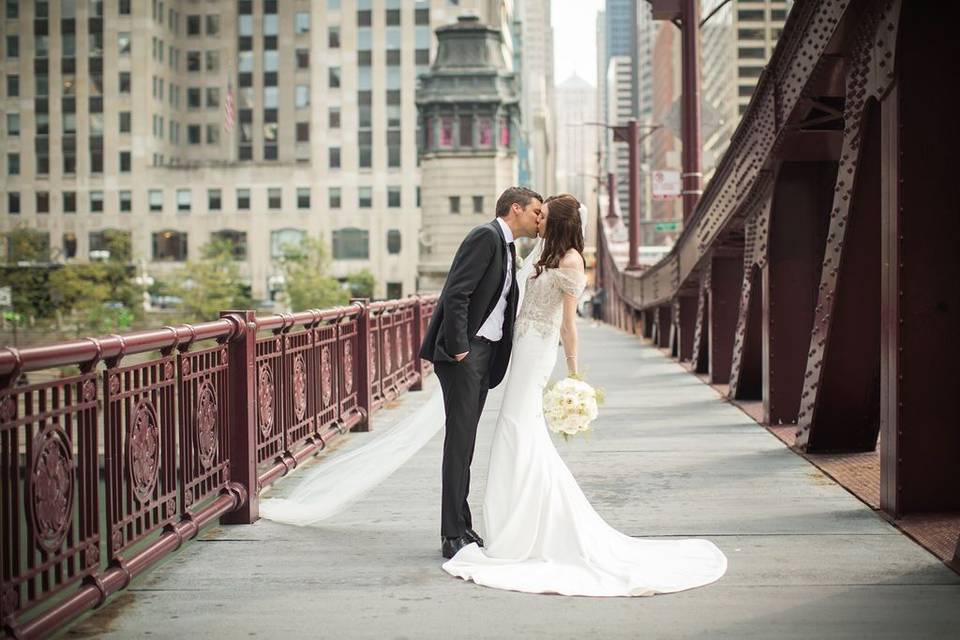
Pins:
x,y
416,332
242,396
364,383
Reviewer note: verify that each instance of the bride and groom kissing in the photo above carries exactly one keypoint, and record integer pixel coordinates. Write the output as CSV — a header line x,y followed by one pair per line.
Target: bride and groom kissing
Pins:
x,y
494,324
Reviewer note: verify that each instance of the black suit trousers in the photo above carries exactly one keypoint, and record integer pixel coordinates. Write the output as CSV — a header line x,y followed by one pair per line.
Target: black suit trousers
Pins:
x,y
465,385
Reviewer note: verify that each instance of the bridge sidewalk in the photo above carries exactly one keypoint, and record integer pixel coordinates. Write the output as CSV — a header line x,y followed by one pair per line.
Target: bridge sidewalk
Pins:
x,y
668,458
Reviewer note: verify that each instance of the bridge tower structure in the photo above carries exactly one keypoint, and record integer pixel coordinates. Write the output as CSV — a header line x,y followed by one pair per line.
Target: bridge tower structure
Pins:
x,y
469,114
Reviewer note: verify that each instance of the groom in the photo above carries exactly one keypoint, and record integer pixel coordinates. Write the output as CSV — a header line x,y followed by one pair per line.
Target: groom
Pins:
x,y
469,341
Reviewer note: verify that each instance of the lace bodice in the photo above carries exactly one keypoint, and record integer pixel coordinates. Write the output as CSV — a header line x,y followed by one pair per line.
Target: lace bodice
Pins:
x,y
542,306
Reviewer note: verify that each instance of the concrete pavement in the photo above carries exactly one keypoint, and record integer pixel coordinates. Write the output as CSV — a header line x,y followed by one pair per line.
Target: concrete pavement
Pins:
x,y
668,457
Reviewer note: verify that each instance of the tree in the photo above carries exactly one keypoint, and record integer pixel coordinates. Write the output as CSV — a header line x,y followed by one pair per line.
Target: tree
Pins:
x,y
306,284
361,284
211,284
24,244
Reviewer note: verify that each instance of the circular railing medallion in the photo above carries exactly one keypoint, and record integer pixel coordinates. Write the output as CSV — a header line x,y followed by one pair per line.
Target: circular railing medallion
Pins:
x,y
51,489
207,424
348,367
143,450
265,399
326,382
299,387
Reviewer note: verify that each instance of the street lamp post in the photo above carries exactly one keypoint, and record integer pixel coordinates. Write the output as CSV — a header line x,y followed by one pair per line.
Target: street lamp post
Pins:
x,y
630,134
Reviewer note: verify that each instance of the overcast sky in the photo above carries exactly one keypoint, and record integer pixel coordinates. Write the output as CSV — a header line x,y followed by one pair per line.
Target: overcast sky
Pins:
x,y
575,39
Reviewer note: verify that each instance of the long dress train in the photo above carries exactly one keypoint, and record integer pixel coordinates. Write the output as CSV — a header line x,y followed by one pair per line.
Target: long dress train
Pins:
x,y
543,536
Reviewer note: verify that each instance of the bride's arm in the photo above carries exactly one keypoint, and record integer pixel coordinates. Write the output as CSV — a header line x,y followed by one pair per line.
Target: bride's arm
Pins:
x,y
568,326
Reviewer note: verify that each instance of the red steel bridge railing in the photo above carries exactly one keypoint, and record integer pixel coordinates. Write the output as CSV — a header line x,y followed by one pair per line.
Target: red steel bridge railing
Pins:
x,y
107,471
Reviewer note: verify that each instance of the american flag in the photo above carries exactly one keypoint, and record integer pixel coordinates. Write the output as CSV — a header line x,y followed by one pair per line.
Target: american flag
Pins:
x,y
228,109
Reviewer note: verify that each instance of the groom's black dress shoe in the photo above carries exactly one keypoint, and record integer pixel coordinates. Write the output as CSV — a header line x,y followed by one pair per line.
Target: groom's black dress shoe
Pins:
x,y
450,546
472,536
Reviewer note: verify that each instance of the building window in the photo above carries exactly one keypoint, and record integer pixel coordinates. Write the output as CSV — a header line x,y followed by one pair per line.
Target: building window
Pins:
x,y
393,197
303,132
274,198
333,78
302,95
243,199
365,148
123,43
364,18
193,61
334,153
43,202
301,22
213,134
454,204
750,15
13,85
393,241
750,34
13,9
333,198
125,162
333,118
213,24
236,239
393,17
394,290
365,197
446,132
213,97
422,17
124,122
69,245
124,81
193,25
183,200
169,246
333,37
96,202
213,200
754,53
155,200
13,203
393,148
466,131
13,124
13,164
125,201
283,241
478,204
303,58
351,244
13,46
303,197
69,201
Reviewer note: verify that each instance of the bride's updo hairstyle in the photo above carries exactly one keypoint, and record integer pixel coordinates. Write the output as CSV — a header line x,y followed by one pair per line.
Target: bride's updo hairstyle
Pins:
x,y
563,231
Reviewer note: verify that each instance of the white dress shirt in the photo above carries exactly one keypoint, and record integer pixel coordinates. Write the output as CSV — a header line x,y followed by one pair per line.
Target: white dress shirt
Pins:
x,y
492,329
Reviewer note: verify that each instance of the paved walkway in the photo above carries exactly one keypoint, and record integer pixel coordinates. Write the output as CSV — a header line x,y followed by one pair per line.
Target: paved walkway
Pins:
x,y
668,458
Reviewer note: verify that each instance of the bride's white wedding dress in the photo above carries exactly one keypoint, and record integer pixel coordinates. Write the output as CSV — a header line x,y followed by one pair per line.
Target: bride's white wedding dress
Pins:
x,y
542,534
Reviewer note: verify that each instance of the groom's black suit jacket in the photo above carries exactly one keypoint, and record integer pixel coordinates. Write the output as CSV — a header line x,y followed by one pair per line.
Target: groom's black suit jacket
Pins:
x,y
469,295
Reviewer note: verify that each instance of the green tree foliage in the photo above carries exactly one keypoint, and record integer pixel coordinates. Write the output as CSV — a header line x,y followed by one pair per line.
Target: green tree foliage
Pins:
x,y
97,297
361,284
307,285
211,285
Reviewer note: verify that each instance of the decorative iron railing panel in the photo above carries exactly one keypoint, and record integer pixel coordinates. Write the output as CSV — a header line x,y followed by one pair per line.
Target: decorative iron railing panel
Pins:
x,y
169,424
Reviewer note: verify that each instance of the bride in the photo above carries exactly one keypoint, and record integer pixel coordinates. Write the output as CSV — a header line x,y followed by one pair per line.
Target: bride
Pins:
x,y
543,535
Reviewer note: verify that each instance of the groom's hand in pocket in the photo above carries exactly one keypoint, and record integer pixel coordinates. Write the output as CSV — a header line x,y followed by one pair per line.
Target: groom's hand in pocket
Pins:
x,y
460,356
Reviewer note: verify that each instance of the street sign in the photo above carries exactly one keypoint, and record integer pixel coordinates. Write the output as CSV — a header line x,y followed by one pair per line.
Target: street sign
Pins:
x,y
6,298
666,185
667,226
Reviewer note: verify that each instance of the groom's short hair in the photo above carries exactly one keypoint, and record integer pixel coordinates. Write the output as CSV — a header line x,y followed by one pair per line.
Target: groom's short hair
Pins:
x,y
519,195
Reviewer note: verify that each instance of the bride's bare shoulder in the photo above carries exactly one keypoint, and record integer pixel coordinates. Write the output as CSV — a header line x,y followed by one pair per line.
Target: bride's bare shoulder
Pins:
x,y
572,260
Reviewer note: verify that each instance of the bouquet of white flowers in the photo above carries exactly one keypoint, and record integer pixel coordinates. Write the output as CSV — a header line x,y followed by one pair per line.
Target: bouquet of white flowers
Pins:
x,y
570,405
